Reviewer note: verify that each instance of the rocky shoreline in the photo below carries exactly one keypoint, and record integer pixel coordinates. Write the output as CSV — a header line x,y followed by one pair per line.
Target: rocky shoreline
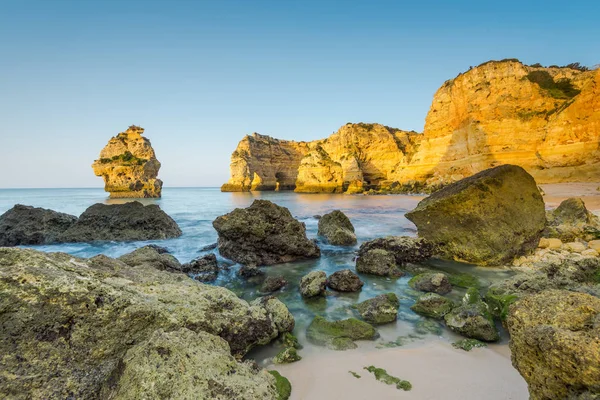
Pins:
x,y
61,305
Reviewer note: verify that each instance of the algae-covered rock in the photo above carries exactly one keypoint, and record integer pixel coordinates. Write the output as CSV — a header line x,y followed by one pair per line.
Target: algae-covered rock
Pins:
x,y
468,344
203,269
263,234
382,375
489,218
555,344
345,281
381,309
426,326
286,356
153,257
183,365
282,385
281,317
472,320
289,340
433,282
378,262
323,332
337,229
128,221
68,324
341,344
571,220
273,284
26,225
432,305
404,249
313,284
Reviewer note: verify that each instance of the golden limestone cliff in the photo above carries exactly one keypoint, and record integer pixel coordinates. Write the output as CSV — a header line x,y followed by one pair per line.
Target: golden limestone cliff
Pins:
x,y
129,166
546,120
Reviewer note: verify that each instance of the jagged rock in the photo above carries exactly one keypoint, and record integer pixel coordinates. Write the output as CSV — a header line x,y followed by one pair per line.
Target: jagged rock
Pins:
x,y
404,249
381,309
26,225
337,229
345,281
498,112
555,344
489,218
434,282
263,234
129,166
571,220
203,269
273,284
313,284
339,335
473,318
432,305
153,257
128,221
94,328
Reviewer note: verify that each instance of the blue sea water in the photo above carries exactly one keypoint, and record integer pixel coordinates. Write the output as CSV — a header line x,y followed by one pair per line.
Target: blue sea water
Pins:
x,y
194,209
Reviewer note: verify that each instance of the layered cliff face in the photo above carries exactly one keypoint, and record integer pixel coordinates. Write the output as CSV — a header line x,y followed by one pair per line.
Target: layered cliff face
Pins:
x,y
546,120
129,166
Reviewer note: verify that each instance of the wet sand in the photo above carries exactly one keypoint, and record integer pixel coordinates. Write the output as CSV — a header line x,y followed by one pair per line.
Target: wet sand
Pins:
x,y
435,369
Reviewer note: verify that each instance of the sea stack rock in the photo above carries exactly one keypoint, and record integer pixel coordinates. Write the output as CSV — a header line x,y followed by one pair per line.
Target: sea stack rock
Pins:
x,y
489,218
129,166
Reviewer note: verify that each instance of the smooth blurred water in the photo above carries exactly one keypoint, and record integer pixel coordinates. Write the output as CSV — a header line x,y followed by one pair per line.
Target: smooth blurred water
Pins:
x,y
194,209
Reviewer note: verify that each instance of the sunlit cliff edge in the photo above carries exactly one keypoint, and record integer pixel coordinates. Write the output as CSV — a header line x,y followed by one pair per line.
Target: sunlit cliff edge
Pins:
x,y
545,119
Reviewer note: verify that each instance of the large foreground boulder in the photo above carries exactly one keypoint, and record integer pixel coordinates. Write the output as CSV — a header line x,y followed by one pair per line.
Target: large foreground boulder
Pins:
x,y
337,229
263,234
489,218
120,222
99,328
26,225
555,344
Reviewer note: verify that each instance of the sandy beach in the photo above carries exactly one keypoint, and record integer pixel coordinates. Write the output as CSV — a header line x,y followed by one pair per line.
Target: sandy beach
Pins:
x,y
557,192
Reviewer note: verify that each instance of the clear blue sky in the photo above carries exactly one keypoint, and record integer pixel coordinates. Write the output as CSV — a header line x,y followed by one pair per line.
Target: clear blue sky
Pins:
x,y
199,75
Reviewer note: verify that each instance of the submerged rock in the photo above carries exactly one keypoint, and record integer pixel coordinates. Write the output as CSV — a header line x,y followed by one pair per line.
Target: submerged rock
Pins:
x,y
337,229
273,284
489,218
263,234
250,271
128,221
26,225
313,284
432,305
555,344
468,344
95,328
203,269
381,309
129,166
434,282
338,334
345,281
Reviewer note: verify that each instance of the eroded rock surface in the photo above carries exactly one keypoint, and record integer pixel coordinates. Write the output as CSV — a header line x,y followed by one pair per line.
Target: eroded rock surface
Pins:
x,y
95,328
263,234
345,281
26,225
129,166
337,229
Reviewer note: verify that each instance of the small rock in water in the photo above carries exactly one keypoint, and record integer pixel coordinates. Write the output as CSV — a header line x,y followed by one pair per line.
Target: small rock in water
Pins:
x,y
381,309
468,344
249,271
209,247
345,281
431,282
337,229
313,284
382,375
203,269
273,284
286,356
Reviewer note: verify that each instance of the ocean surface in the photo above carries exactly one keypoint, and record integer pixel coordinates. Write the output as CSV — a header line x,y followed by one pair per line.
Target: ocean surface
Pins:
x,y
194,209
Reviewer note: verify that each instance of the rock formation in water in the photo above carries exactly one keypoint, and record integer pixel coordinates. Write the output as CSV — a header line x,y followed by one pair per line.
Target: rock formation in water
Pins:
x,y
99,328
546,120
26,225
129,166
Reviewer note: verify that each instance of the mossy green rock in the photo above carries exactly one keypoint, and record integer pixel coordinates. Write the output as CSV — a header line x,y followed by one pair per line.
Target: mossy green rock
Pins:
x,y
488,218
555,344
381,309
323,332
337,229
472,321
432,305
76,327
433,282
313,284
426,326
286,356
382,375
468,344
263,234
283,385
378,262
289,340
